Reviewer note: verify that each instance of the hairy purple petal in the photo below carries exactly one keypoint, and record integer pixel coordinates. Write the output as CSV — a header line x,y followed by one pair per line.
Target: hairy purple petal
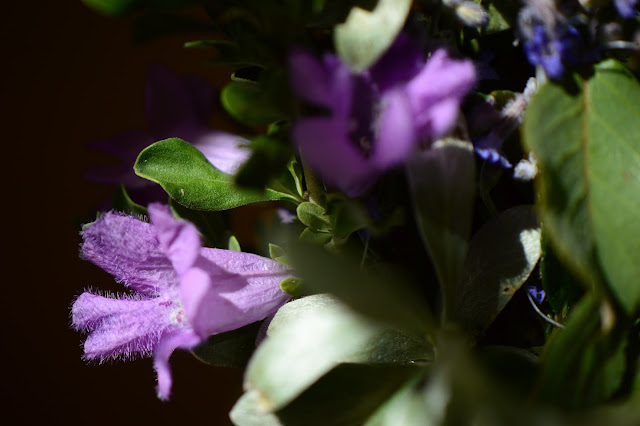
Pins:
x,y
124,327
162,353
179,239
129,250
226,290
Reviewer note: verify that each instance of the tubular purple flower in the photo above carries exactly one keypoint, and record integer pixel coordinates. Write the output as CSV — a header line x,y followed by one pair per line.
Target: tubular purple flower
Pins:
x,y
182,292
175,106
374,118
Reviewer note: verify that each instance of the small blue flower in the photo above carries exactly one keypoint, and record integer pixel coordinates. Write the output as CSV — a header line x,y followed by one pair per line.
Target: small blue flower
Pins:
x,y
537,293
552,49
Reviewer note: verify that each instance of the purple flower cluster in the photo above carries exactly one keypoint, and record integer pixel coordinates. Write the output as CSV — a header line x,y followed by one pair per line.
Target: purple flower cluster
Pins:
x,y
374,119
182,292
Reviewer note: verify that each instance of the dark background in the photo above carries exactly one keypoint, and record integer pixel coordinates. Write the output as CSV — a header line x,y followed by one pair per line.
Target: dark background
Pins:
x,y
69,77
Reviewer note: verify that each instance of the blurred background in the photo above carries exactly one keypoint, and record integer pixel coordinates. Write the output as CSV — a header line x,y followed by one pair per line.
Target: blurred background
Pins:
x,y
69,77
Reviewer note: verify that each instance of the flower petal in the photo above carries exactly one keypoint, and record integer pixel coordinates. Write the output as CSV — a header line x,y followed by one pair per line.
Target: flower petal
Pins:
x,y
184,339
122,327
398,65
128,249
396,132
437,91
179,239
309,78
326,148
226,151
226,290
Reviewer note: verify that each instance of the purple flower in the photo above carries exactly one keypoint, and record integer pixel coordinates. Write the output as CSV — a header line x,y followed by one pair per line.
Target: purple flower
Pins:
x,y
626,8
175,107
182,292
375,118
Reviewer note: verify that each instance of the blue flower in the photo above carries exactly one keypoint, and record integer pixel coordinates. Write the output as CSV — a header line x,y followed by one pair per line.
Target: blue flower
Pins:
x,y
552,49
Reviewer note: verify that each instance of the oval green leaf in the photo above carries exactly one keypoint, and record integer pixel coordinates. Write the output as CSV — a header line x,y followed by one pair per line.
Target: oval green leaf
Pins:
x,y
587,143
191,180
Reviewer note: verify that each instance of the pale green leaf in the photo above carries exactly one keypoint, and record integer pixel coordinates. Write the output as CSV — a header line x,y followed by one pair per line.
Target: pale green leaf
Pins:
x,y
366,35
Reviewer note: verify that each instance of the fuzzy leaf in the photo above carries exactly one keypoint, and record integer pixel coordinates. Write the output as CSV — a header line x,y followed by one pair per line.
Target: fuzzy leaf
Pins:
x,y
309,337
189,178
314,217
443,187
500,259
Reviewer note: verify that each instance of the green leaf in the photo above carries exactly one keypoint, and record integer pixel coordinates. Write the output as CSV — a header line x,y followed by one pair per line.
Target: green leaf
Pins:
x,y
501,257
233,244
276,251
313,216
123,203
309,337
268,159
587,143
443,185
250,104
562,289
212,225
111,7
365,36
346,216
293,286
384,295
230,349
347,395
415,404
121,7
502,14
583,363
248,411
189,178
315,237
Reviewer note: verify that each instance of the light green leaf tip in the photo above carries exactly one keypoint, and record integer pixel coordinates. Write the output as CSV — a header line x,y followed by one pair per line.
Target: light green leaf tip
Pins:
x,y
364,37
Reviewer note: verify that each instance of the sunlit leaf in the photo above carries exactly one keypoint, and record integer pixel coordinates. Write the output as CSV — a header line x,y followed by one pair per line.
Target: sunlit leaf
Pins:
x,y
189,178
587,143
